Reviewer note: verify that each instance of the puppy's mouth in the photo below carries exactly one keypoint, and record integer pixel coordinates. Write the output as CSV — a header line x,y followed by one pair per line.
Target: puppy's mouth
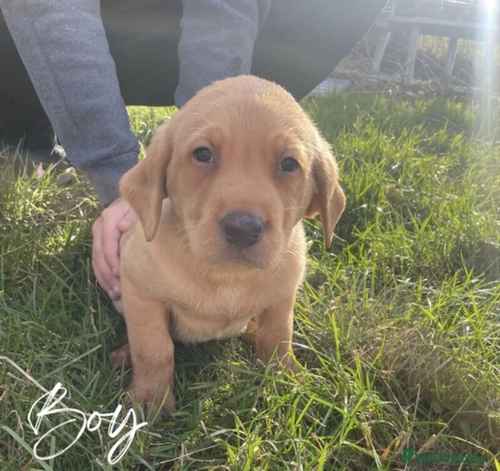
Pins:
x,y
244,258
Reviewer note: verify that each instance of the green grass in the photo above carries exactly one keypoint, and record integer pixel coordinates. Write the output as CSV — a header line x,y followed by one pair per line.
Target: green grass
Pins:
x,y
397,327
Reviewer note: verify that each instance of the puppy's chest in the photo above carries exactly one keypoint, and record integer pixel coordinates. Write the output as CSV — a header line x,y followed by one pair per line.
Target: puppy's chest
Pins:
x,y
222,311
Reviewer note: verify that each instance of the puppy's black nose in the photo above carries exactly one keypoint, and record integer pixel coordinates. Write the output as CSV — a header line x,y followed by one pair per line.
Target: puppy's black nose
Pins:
x,y
242,229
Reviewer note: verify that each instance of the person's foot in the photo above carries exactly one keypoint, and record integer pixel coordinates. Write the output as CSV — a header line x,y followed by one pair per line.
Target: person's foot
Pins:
x,y
37,160
43,155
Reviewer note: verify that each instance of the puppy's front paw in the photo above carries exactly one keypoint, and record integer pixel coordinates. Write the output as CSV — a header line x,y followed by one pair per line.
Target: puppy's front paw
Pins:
x,y
282,361
156,396
289,362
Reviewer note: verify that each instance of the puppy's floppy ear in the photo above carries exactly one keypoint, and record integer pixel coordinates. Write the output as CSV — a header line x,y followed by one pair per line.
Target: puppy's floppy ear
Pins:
x,y
144,185
327,199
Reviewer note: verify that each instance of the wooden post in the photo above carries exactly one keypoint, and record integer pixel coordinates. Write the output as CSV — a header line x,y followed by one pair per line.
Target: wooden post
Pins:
x,y
380,52
452,55
412,53
384,42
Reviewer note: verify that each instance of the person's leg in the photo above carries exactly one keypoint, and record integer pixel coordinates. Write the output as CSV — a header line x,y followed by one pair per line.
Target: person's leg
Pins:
x,y
217,41
64,48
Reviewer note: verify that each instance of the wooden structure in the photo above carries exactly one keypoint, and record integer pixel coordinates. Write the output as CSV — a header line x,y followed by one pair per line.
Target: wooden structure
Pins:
x,y
454,19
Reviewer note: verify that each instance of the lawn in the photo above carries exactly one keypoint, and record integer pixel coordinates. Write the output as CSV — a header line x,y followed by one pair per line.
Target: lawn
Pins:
x,y
397,326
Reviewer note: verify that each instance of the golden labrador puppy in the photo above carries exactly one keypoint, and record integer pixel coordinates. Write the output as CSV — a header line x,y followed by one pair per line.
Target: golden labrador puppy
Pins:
x,y
220,199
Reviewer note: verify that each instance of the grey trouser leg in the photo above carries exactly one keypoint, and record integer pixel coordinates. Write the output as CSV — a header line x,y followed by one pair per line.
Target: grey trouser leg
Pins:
x,y
217,41
64,48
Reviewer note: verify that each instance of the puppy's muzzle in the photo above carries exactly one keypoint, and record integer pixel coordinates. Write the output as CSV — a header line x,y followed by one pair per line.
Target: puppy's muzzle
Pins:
x,y
241,229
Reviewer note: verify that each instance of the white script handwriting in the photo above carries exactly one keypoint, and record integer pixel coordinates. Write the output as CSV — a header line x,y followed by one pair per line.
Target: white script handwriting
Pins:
x,y
51,407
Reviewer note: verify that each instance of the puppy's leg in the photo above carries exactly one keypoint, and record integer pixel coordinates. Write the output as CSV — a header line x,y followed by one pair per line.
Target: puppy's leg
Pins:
x,y
274,334
151,349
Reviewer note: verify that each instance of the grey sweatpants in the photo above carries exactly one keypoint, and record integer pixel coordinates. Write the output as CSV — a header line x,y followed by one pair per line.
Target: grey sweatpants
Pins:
x,y
64,48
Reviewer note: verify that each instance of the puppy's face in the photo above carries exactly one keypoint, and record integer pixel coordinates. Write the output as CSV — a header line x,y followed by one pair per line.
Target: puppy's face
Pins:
x,y
241,164
238,182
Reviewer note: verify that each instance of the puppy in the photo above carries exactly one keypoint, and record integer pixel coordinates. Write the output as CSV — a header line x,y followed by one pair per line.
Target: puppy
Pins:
x,y
220,198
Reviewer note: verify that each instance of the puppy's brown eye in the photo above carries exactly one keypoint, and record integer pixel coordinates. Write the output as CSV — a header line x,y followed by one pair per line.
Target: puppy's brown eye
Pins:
x,y
289,164
203,155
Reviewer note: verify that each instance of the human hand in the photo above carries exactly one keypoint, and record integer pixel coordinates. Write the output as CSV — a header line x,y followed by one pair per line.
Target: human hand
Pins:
x,y
107,230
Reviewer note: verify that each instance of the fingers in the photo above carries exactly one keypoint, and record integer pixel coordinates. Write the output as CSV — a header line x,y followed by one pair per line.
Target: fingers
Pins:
x,y
102,271
106,232
110,238
128,219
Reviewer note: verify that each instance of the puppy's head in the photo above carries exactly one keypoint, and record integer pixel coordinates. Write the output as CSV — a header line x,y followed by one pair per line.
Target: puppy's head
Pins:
x,y
241,164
